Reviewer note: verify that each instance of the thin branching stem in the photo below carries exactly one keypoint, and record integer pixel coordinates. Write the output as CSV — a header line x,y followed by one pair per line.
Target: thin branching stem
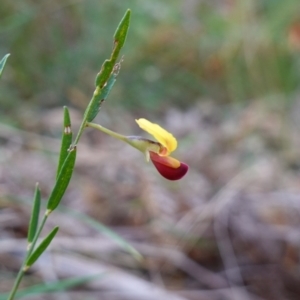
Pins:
x,y
23,269
104,82
80,131
16,283
107,131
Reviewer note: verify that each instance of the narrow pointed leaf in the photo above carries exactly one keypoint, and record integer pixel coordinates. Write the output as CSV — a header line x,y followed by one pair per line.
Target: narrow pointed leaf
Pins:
x,y
62,181
106,76
41,247
121,33
119,40
2,63
34,219
66,140
99,98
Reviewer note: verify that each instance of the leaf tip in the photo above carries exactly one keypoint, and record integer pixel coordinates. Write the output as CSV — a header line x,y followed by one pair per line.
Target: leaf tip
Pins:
x,y
121,32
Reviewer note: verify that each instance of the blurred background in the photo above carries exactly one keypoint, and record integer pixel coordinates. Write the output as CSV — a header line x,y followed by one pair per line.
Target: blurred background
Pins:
x,y
223,76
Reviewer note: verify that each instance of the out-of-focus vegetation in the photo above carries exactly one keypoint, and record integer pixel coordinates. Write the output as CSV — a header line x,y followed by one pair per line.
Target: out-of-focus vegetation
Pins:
x,y
223,231
177,52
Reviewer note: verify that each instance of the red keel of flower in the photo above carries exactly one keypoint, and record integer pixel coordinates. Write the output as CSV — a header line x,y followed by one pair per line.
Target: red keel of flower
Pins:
x,y
164,166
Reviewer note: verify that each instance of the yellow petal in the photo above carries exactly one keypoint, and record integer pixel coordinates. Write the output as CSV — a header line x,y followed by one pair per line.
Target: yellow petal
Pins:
x,y
161,135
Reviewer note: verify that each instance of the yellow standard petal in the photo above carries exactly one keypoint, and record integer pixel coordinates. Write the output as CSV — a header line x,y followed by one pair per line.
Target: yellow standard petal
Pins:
x,y
160,134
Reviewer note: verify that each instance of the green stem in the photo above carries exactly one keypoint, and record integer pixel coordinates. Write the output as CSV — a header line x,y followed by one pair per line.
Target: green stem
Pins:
x,y
87,113
37,236
17,283
85,116
29,251
80,131
109,132
143,145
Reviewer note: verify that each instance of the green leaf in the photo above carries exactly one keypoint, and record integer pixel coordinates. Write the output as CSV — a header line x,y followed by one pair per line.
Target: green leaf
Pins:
x,y
99,98
107,74
119,40
62,181
66,140
34,219
121,33
95,224
41,248
2,63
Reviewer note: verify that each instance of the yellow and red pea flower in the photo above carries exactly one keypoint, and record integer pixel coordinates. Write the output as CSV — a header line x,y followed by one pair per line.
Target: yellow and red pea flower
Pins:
x,y
167,166
158,152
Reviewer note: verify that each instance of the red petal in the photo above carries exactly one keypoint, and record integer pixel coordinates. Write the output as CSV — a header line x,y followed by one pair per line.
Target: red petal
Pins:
x,y
165,169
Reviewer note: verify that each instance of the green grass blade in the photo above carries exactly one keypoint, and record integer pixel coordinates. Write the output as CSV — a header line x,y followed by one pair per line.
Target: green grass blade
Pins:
x,y
34,219
57,286
62,181
2,63
115,237
105,231
41,248
66,140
